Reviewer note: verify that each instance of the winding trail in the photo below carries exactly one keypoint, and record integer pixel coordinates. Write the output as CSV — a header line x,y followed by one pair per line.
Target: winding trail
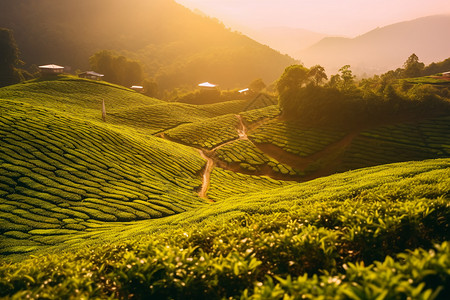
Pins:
x,y
242,130
242,133
206,175
331,156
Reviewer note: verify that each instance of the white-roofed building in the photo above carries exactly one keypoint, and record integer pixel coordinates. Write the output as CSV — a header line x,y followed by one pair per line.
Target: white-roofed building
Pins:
x,y
137,88
207,85
51,69
91,75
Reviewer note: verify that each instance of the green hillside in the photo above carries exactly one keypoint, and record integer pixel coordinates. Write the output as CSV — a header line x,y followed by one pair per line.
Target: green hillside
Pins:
x,y
176,46
308,239
178,201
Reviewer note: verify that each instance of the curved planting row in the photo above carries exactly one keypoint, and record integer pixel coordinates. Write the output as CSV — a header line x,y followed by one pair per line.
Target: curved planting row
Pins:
x,y
294,138
375,233
402,142
80,97
156,118
208,133
245,154
253,116
224,108
59,175
225,184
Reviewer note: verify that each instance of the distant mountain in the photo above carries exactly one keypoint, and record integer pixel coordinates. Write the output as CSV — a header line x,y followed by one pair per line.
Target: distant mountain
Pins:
x,y
177,46
384,48
285,39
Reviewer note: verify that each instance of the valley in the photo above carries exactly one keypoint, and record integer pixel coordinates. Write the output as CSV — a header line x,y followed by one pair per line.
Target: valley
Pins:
x,y
208,191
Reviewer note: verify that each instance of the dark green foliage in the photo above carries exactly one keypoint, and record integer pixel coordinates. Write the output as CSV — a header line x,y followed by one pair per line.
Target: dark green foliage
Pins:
x,y
9,58
353,108
435,68
117,68
412,67
294,77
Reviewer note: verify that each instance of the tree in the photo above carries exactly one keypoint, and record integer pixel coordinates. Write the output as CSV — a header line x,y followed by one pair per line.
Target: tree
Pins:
x,y
348,80
412,66
257,85
150,88
117,69
294,77
335,81
9,58
317,74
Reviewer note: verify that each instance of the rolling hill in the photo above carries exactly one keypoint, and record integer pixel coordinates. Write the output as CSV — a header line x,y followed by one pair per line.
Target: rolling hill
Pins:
x,y
176,46
385,48
114,209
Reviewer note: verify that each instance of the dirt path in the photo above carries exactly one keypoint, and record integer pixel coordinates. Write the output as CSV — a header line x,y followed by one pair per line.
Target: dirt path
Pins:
x,y
206,175
242,130
329,157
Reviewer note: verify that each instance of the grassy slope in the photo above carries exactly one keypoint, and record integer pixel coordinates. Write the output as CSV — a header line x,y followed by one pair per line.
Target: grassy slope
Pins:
x,y
82,98
60,175
66,175
258,241
62,189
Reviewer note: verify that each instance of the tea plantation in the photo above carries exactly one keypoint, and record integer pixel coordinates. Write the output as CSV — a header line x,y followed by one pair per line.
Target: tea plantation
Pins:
x,y
105,210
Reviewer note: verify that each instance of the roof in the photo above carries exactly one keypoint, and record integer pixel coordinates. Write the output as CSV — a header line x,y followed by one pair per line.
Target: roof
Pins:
x,y
92,73
446,72
207,84
137,87
53,67
244,90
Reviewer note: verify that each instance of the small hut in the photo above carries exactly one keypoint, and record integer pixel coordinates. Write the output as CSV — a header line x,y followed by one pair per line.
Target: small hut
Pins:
x,y
244,91
91,75
446,74
51,69
137,88
207,85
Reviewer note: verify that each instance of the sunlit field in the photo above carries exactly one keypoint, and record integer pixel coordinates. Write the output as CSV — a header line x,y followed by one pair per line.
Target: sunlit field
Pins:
x,y
153,150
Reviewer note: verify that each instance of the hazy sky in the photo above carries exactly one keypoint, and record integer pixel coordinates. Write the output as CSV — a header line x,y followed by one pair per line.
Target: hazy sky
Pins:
x,y
341,17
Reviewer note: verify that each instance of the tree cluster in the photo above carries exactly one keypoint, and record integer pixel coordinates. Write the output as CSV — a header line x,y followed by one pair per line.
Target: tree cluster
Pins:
x,y
345,102
117,68
9,59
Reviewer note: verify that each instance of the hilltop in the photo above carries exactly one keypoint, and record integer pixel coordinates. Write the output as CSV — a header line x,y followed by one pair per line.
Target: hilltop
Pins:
x,y
384,48
227,200
177,46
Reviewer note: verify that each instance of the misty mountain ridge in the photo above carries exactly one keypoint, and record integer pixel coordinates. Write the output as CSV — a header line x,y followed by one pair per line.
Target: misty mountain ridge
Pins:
x,y
287,40
384,48
176,46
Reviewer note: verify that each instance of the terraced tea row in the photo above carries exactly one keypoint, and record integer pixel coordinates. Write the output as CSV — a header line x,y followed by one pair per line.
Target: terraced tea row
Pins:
x,y
247,156
60,175
253,116
162,117
294,138
402,142
157,118
225,184
206,134
351,235
79,97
